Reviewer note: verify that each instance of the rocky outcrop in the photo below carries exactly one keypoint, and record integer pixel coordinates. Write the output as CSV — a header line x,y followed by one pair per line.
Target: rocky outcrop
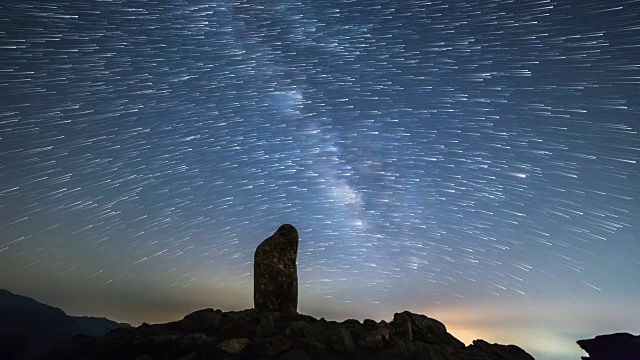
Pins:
x,y
424,329
275,273
250,334
620,346
275,330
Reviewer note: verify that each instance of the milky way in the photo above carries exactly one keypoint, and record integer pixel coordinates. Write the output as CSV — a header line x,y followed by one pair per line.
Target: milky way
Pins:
x,y
429,152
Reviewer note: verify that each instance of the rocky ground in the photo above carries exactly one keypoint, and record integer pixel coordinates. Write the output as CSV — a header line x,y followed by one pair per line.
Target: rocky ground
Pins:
x,y
248,334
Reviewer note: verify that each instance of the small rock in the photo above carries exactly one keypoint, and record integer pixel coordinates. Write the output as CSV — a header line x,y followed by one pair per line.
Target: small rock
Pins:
x,y
234,346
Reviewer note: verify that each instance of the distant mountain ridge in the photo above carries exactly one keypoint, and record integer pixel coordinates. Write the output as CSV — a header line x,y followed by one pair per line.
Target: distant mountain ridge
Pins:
x,y
39,326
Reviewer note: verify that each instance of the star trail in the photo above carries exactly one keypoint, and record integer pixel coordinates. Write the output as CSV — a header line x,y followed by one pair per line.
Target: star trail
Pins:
x,y
473,161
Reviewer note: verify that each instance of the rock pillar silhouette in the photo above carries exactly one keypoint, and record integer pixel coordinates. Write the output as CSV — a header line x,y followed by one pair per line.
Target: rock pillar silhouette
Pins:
x,y
275,273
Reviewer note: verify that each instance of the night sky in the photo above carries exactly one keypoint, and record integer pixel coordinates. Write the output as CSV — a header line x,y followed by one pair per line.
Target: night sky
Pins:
x,y
476,162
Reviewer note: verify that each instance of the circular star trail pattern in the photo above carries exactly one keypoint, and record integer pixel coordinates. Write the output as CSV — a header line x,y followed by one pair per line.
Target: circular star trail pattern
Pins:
x,y
429,152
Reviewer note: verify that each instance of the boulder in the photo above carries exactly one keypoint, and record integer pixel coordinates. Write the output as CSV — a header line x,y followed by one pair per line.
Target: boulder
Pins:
x,y
302,329
269,347
235,345
196,342
202,321
275,272
355,330
339,340
369,323
620,346
206,321
422,328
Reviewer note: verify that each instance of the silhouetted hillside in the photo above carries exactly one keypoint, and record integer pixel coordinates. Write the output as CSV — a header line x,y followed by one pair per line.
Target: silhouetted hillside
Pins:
x,y
97,326
38,326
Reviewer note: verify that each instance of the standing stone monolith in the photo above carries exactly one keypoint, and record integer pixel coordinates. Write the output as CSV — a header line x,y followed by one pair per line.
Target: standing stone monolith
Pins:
x,y
275,273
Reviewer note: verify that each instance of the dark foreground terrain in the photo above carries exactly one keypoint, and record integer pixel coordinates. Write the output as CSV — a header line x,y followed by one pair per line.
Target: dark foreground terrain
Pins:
x,y
29,326
248,334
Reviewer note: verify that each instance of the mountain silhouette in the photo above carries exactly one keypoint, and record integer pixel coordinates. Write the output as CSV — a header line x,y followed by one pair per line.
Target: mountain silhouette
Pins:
x,y
31,326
